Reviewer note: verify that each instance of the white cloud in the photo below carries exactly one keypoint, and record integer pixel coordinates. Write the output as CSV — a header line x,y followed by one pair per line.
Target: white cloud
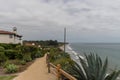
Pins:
x,y
49,17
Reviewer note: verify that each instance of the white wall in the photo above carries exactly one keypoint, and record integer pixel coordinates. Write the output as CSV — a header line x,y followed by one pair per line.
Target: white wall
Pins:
x,y
5,38
17,40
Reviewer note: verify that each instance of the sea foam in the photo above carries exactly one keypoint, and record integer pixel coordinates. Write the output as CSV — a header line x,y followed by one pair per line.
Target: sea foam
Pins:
x,y
74,55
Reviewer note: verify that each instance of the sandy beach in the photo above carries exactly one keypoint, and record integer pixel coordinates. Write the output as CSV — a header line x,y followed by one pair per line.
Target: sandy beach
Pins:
x,y
37,71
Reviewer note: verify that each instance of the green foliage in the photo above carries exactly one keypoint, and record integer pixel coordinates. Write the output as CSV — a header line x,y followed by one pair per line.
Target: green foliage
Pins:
x,y
39,54
64,62
6,64
19,56
11,54
2,49
33,51
23,62
11,68
27,58
92,68
59,57
8,46
27,49
3,58
10,77
19,48
51,42
44,51
16,62
45,43
56,54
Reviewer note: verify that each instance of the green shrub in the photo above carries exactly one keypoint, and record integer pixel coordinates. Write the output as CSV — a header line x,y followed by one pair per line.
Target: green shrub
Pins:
x,y
19,56
23,62
19,62
36,54
40,54
27,58
6,64
27,49
11,54
33,48
33,55
2,49
11,68
64,62
55,54
8,46
3,58
20,49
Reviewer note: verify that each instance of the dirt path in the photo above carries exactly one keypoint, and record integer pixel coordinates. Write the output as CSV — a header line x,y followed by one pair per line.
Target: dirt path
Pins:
x,y
37,71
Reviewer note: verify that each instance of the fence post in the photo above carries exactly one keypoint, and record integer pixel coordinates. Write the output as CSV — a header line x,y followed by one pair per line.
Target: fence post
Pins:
x,y
58,71
48,62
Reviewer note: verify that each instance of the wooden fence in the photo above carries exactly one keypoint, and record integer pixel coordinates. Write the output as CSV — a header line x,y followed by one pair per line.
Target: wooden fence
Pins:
x,y
56,70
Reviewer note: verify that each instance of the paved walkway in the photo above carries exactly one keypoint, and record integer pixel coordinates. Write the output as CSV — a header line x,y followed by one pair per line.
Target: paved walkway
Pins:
x,y
37,71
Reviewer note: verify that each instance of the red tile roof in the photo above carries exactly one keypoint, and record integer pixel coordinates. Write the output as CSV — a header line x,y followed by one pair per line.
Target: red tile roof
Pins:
x,y
8,32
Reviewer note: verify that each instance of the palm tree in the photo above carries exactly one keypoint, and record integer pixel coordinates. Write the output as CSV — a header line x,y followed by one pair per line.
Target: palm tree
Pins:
x,y
92,68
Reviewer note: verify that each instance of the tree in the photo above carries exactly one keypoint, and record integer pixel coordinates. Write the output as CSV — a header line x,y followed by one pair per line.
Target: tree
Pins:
x,y
92,68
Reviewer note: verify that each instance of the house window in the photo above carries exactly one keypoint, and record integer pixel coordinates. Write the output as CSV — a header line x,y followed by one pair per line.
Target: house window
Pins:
x,y
10,36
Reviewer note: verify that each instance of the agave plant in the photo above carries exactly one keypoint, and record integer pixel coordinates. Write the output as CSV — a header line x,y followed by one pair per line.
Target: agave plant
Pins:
x,y
92,68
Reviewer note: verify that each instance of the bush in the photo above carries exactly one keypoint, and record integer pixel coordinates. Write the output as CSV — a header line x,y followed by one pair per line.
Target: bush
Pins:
x,y
18,62
27,49
64,62
55,54
11,54
11,68
19,56
33,55
3,58
6,64
2,49
8,46
23,62
27,58
36,54
40,53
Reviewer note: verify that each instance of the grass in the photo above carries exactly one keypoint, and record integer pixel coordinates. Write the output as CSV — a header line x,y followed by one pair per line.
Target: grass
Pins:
x,y
7,77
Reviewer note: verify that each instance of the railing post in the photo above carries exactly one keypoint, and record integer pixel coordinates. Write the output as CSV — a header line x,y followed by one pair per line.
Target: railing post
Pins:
x,y
58,71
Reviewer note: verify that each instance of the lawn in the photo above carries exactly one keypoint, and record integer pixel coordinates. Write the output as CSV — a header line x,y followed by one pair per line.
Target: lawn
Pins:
x,y
6,77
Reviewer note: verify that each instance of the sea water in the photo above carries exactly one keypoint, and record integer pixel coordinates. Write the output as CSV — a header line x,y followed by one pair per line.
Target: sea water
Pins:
x,y
109,50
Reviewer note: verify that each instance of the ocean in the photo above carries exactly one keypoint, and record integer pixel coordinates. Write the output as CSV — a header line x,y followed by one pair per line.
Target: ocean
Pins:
x,y
109,50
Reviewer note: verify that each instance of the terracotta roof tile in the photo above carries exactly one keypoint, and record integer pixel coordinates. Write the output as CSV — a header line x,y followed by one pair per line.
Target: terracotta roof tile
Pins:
x,y
8,32
5,32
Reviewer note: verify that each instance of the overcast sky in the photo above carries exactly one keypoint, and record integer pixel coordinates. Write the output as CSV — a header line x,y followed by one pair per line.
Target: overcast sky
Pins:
x,y
85,20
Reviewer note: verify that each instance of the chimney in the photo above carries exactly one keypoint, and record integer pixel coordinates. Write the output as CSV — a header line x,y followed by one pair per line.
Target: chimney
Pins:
x,y
15,30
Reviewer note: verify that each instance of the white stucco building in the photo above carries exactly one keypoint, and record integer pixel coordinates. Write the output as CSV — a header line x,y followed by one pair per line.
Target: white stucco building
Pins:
x,y
10,37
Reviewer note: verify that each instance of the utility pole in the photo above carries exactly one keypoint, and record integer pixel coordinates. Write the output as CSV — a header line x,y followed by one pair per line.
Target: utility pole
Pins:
x,y
64,40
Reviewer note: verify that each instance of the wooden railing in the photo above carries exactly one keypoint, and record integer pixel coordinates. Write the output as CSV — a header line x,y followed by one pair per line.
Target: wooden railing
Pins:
x,y
56,70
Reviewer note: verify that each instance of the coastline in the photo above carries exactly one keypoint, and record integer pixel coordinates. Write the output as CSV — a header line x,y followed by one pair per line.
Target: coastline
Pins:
x,y
74,55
